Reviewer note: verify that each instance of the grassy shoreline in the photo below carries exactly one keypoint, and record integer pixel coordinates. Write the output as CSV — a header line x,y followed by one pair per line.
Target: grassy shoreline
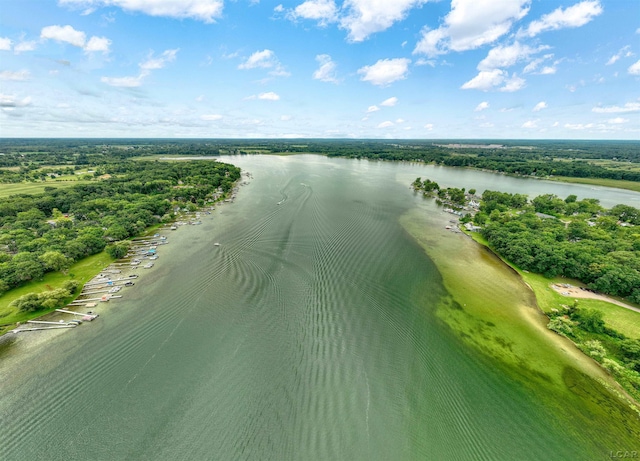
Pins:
x,y
493,311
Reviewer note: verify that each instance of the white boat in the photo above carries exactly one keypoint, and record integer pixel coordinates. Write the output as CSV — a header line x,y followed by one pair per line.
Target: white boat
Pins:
x,y
216,244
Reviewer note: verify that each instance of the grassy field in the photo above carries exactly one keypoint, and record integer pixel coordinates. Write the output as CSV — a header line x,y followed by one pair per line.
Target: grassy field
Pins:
x,y
82,271
490,308
614,183
36,187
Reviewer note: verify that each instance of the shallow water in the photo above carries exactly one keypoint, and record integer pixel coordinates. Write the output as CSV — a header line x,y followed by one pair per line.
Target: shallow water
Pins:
x,y
307,334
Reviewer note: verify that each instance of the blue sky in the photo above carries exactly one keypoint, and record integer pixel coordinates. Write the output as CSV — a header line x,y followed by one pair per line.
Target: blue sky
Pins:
x,y
320,68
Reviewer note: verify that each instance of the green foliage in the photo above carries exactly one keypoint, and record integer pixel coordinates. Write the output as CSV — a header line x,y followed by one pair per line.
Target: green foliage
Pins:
x,y
71,286
46,300
118,250
48,232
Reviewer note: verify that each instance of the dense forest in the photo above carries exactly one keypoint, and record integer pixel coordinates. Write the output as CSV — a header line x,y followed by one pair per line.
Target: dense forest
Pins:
x,y
49,231
619,160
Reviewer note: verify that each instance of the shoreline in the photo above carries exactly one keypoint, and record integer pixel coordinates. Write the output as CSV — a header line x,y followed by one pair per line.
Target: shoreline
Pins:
x,y
491,310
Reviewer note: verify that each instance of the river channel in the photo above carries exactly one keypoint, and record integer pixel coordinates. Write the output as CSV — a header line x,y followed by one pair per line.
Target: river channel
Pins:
x,y
308,334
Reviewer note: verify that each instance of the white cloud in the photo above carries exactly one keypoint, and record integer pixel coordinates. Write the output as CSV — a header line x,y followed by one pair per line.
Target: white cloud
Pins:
x,y
471,24
68,34
145,70
634,69
534,64
265,59
201,10
507,56
390,102
548,70
20,75
327,70
5,44
578,126
429,126
98,44
64,34
530,124
270,96
482,106
10,101
372,109
385,71
158,63
541,105
574,16
386,124
211,117
323,11
617,120
485,80
24,46
514,83
124,82
366,17
628,107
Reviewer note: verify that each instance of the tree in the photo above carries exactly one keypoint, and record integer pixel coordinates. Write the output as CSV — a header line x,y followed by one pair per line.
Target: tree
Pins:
x,y
118,250
590,320
26,303
55,261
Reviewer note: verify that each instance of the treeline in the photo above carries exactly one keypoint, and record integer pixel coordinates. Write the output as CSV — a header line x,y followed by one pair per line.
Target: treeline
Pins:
x,y
530,158
566,237
49,231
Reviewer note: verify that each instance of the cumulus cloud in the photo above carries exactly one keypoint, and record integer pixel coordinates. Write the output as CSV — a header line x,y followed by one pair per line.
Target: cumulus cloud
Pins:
x,y
20,75
535,63
628,107
634,69
372,109
485,80
64,34
386,124
574,16
201,10
482,106
530,124
385,71
617,120
98,44
490,79
323,11
5,44
538,107
514,83
507,56
390,102
366,17
429,126
471,24
270,96
67,34
327,70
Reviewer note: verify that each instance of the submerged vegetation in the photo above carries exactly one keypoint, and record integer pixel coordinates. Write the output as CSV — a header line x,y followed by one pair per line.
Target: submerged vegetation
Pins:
x,y
576,239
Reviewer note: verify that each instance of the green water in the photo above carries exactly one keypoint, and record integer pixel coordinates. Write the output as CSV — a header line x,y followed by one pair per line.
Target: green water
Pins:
x,y
308,334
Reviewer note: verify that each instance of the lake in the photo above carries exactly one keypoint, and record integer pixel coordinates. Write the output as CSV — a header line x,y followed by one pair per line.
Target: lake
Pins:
x,y
308,334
